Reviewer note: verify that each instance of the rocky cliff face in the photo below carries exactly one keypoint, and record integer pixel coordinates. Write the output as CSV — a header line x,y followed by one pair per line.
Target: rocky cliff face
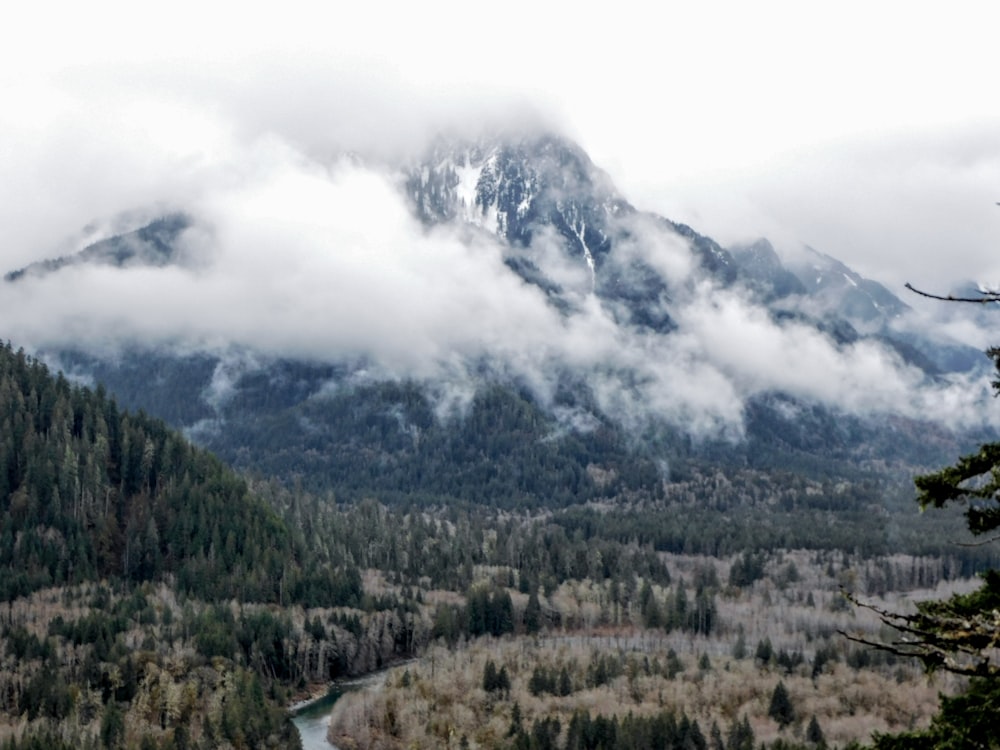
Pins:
x,y
542,191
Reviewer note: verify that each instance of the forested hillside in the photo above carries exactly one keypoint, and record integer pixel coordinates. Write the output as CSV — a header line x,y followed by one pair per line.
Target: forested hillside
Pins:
x,y
147,594
154,599
326,429
89,492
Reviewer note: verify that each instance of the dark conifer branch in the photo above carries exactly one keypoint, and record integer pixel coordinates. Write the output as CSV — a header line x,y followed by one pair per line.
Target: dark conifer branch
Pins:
x,y
942,637
987,296
980,543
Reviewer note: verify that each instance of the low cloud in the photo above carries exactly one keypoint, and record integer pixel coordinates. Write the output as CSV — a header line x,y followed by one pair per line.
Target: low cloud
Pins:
x,y
294,257
299,251
759,355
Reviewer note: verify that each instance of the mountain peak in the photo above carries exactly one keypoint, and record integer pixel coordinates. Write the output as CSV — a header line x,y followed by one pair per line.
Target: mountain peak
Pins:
x,y
857,298
764,273
154,244
512,185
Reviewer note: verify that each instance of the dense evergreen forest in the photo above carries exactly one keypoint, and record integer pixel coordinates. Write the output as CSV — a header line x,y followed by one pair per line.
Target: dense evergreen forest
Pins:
x,y
120,546
150,597
89,492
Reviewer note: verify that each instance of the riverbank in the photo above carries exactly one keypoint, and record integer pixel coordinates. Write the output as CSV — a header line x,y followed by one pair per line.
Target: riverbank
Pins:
x,y
311,716
312,695
319,692
311,712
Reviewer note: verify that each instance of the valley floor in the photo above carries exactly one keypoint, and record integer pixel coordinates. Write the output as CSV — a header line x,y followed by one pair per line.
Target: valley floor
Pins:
x,y
785,629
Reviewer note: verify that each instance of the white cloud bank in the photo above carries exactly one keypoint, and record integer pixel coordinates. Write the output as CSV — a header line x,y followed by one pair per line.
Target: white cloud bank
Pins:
x,y
723,118
295,257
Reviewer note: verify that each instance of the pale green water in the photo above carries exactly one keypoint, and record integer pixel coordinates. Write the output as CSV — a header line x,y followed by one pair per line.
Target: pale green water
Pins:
x,y
313,721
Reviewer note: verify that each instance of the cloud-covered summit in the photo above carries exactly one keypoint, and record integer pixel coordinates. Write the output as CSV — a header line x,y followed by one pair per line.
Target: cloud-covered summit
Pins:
x,y
513,259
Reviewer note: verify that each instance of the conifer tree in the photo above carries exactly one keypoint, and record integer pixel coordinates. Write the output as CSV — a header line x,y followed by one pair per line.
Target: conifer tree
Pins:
x,y
715,741
814,733
780,708
741,736
490,676
533,614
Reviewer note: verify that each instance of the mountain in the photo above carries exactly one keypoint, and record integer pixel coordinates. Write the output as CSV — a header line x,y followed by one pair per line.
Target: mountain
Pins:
x,y
762,271
551,423
525,187
845,292
820,289
522,187
151,245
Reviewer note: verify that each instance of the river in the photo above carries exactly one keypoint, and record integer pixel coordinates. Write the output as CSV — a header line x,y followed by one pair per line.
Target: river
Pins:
x,y
313,720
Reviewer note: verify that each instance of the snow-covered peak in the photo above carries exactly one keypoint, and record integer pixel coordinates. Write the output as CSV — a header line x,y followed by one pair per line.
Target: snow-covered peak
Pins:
x,y
514,186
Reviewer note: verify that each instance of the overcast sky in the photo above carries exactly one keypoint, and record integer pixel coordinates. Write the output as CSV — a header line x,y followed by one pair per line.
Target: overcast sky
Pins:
x,y
870,131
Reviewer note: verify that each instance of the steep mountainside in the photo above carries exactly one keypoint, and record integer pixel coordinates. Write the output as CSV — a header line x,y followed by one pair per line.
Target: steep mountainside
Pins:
x,y
88,492
850,295
521,189
149,598
527,426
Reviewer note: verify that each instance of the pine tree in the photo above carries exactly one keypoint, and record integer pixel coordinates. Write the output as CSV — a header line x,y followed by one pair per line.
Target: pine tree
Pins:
x,y
490,676
814,733
674,665
764,652
515,720
533,614
781,709
565,686
741,736
651,615
715,741
740,647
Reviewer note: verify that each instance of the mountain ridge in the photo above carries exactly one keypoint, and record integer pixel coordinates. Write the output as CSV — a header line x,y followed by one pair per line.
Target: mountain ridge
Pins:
x,y
152,244
549,209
